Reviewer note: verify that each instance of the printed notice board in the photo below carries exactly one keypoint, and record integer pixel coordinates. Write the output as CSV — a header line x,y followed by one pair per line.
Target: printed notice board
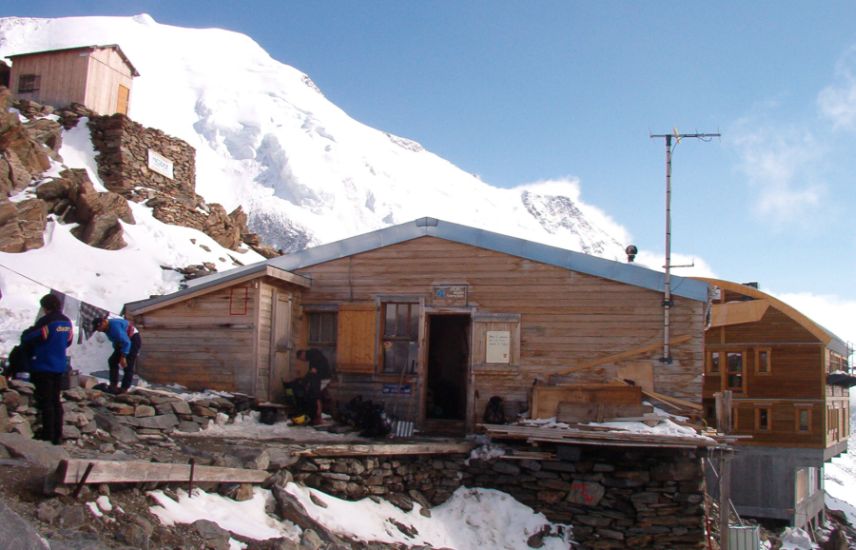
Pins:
x,y
160,164
498,346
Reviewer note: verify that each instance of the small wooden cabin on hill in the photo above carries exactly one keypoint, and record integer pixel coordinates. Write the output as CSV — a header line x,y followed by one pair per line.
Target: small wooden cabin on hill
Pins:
x,y
99,77
789,393
430,318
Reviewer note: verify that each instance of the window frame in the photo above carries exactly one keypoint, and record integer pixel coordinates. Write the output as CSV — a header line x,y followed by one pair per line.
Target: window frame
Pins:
x,y
710,361
769,352
413,324
769,411
29,83
327,347
798,409
724,368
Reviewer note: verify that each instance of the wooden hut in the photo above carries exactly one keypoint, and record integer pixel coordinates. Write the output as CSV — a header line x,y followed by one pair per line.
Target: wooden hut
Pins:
x,y
433,318
99,77
781,368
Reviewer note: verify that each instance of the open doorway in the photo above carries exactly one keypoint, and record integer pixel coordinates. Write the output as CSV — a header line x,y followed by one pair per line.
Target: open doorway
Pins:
x,y
448,359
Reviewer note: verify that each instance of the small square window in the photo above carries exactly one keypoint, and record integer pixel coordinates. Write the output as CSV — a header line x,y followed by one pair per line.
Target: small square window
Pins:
x,y
713,363
762,364
762,419
28,83
803,420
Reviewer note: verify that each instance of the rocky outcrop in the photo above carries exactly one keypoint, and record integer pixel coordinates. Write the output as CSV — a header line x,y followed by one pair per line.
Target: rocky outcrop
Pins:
x,y
22,225
73,198
22,157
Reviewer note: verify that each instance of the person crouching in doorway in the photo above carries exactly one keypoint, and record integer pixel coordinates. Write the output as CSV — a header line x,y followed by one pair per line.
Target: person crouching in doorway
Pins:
x,y
127,342
50,337
317,377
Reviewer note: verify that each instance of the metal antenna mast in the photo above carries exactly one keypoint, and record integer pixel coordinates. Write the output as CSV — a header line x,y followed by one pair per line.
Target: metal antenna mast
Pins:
x,y
667,282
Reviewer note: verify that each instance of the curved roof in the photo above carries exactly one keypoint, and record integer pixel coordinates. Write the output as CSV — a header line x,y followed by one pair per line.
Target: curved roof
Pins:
x,y
822,334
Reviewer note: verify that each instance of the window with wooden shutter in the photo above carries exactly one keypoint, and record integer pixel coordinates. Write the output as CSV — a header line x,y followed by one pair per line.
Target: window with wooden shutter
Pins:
x,y
356,338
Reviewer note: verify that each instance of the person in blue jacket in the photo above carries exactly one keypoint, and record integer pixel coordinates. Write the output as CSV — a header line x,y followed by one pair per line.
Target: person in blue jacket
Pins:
x,y
127,342
49,338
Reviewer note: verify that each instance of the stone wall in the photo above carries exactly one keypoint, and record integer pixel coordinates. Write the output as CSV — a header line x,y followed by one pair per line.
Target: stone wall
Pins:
x,y
614,497
123,146
123,164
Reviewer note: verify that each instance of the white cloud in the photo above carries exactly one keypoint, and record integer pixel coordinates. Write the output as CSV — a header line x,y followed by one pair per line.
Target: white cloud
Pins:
x,y
781,165
837,102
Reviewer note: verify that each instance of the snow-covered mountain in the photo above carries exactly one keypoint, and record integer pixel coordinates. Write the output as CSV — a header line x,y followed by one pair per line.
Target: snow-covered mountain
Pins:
x,y
306,172
267,139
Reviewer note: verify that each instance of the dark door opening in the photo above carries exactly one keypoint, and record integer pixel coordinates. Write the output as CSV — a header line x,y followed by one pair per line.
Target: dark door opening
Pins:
x,y
448,359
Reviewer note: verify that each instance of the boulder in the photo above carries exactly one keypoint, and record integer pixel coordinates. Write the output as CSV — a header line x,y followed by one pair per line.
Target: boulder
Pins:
x,y
36,452
14,529
46,132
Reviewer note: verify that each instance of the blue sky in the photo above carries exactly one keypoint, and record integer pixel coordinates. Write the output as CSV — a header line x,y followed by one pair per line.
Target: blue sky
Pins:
x,y
524,91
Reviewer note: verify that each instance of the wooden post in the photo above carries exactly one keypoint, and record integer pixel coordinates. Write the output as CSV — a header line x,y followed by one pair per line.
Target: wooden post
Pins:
x,y
723,411
724,497
723,424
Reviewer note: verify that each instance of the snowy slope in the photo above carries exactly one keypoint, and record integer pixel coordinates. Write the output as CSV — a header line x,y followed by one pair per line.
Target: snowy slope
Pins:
x,y
105,278
306,173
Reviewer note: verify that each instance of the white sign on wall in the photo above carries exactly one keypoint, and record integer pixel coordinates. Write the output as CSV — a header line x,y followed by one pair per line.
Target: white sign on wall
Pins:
x,y
498,346
160,164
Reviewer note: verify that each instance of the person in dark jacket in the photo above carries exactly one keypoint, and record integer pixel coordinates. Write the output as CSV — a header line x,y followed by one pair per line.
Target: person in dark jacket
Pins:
x,y
50,337
314,381
127,342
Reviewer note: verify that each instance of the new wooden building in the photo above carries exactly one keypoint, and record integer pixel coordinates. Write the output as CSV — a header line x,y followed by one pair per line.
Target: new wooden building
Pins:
x,y
430,318
99,77
777,364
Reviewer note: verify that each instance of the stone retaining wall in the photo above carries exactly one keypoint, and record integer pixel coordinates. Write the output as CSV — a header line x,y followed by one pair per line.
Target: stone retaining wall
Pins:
x,y
614,497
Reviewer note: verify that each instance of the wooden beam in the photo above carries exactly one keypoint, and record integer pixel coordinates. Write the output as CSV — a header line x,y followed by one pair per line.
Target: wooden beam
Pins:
x,y
386,449
673,401
72,471
606,359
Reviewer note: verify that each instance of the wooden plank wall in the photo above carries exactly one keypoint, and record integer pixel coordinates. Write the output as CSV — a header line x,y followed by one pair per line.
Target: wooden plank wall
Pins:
x,y
200,343
566,317
796,378
264,317
63,77
107,70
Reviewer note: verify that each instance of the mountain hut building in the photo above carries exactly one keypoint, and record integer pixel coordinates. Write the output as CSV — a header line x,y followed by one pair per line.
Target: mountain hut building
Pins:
x,y
431,319
789,383
98,77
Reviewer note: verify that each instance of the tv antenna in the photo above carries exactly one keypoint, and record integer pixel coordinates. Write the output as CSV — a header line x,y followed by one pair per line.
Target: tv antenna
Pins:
x,y
667,282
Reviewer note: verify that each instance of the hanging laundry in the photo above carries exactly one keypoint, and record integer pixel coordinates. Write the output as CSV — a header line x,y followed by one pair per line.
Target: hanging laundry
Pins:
x,y
88,312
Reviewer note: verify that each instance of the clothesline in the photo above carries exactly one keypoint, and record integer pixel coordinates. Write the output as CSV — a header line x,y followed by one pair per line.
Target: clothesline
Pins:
x,y
49,287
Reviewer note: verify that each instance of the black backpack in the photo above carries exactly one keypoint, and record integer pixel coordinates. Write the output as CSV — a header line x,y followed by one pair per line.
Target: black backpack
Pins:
x,y
494,412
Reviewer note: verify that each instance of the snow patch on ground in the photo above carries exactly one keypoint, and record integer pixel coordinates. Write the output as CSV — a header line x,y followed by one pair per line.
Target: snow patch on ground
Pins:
x,y
471,519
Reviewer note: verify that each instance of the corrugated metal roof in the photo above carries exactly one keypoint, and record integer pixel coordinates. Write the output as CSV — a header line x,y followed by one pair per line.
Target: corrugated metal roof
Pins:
x,y
630,274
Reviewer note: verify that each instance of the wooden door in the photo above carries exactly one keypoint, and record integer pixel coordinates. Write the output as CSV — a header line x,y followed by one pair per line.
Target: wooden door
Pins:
x,y
280,346
123,100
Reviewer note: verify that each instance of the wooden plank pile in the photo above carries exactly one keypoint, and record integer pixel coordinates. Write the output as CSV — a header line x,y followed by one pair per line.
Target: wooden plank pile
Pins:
x,y
578,436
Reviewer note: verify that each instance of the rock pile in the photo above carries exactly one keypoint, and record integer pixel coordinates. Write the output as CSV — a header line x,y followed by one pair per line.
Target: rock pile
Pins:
x,y
140,415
